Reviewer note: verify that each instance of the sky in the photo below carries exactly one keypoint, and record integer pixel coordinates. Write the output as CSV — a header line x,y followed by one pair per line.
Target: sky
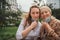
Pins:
x,y
25,4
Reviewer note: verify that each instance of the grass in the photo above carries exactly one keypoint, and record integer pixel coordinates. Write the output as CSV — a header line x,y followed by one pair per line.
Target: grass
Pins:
x,y
8,33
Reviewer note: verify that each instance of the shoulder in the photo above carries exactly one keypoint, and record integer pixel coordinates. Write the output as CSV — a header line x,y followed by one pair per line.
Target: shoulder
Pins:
x,y
54,19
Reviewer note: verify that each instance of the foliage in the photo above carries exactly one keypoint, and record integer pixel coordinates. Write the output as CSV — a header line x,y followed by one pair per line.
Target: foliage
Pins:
x,y
8,17
8,33
56,13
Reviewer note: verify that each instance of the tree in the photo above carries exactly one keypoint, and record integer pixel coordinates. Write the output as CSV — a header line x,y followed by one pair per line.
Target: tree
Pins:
x,y
8,17
2,12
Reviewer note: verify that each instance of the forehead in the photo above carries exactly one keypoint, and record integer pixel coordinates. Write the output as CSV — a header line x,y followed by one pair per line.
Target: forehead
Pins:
x,y
35,9
44,9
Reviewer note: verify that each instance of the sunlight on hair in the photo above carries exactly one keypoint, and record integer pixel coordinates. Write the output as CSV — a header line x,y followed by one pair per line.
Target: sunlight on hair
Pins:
x,y
24,15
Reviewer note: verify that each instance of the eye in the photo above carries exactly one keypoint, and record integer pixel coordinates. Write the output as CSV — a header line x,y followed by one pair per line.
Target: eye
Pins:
x,y
37,12
32,12
45,11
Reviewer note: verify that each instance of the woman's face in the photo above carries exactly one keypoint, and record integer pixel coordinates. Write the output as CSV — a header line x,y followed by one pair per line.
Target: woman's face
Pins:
x,y
35,13
45,13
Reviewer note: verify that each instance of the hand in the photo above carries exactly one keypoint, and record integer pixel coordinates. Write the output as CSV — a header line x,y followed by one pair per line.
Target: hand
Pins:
x,y
33,24
47,26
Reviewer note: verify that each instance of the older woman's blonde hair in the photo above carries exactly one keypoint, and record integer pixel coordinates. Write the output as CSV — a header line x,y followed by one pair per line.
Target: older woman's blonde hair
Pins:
x,y
46,7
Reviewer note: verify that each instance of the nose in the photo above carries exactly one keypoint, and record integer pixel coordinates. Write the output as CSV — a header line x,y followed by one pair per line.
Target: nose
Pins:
x,y
44,14
35,15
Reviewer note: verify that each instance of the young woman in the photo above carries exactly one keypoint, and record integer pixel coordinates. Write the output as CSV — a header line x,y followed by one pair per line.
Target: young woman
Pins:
x,y
29,27
50,29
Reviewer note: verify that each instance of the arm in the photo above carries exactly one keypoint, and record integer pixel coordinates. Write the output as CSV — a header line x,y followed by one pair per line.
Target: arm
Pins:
x,y
50,30
28,29
22,33
20,29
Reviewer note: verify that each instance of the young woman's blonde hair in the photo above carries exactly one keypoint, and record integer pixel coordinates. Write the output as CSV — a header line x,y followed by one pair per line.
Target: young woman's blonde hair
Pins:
x,y
24,15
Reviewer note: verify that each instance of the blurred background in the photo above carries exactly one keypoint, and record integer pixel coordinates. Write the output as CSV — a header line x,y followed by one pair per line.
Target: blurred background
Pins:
x,y
11,11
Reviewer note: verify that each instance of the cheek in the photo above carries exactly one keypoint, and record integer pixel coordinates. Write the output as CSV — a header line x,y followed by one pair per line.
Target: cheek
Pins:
x,y
48,14
42,16
38,16
32,15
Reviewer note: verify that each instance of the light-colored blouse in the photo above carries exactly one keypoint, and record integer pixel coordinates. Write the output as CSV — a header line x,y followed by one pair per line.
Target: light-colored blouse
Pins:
x,y
31,34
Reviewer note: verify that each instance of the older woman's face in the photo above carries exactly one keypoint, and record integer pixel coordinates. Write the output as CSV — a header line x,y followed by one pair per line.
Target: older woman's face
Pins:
x,y
45,13
35,13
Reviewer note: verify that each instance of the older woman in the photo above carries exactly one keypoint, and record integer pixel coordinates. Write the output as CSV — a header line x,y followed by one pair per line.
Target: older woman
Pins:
x,y
50,29
29,27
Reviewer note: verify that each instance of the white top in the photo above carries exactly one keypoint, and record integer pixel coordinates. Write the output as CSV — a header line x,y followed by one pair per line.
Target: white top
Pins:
x,y
33,33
